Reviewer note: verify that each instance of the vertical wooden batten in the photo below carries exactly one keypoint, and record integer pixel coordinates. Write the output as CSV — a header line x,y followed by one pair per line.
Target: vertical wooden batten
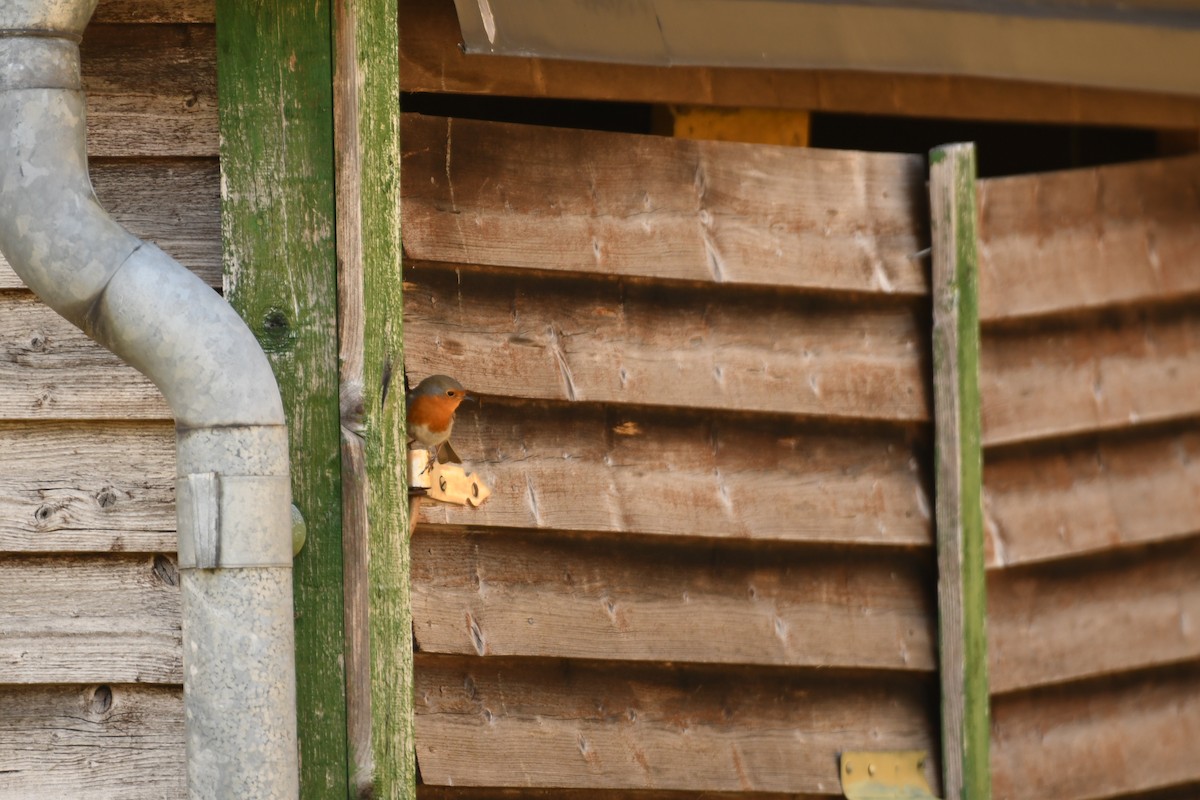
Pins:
x,y
375,526
277,221
958,469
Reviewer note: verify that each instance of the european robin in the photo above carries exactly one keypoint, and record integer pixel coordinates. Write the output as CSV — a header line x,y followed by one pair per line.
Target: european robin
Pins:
x,y
431,408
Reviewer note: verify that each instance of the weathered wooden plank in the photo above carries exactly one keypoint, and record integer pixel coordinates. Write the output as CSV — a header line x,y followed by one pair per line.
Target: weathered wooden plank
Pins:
x,y
277,218
1089,238
431,61
1088,497
500,722
610,342
374,489
1088,375
491,595
155,11
105,487
102,619
585,201
174,203
958,470
102,742
1102,740
50,370
151,90
425,792
582,468
1065,622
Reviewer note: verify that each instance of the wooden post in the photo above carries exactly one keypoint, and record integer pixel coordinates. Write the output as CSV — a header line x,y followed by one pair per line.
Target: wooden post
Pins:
x,y
962,601
275,96
375,517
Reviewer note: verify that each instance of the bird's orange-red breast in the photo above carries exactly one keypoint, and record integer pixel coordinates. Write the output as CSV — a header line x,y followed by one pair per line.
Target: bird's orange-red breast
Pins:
x,y
431,408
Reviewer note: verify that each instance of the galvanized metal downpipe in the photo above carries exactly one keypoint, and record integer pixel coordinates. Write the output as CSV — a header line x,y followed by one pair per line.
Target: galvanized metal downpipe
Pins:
x,y
233,485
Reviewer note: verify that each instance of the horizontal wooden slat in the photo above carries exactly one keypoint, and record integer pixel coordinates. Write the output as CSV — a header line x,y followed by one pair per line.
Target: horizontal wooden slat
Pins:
x,y
611,342
152,90
71,487
1089,238
584,201
155,11
1070,379
426,792
582,468
499,722
50,370
489,594
431,61
1099,741
1078,620
1087,497
77,620
176,204
100,742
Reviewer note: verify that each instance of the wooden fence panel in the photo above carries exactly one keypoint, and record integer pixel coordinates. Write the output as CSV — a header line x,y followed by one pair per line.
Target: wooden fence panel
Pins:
x,y
1081,497
714,212
683,347
50,370
592,598
102,742
1082,239
71,488
1090,368
1108,739
601,725
584,468
88,620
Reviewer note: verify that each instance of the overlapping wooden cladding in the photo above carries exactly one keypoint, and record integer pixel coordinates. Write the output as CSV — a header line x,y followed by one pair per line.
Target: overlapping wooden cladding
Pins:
x,y
91,661
703,402
1091,398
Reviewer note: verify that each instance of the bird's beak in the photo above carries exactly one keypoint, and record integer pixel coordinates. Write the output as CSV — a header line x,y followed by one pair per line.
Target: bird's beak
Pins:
x,y
470,396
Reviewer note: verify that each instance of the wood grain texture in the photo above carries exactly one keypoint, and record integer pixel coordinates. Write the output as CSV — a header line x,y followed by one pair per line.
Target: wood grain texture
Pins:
x,y
491,595
174,203
1083,619
431,61
90,619
958,472
278,187
72,487
1102,740
1093,374
1064,241
715,212
583,468
151,90
100,741
374,487
49,370
155,11
610,342
504,722
1091,496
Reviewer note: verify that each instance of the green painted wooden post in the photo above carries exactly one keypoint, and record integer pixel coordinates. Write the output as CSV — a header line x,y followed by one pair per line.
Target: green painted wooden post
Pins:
x,y
378,619
274,78
962,589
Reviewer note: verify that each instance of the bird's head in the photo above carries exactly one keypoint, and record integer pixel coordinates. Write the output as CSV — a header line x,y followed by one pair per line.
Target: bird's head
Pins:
x,y
444,389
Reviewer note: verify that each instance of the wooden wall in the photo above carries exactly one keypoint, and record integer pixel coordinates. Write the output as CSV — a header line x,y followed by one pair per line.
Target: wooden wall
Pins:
x,y
1090,380
707,562
90,657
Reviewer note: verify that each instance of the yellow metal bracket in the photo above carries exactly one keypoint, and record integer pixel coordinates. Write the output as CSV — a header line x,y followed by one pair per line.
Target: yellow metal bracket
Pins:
x,y
896,775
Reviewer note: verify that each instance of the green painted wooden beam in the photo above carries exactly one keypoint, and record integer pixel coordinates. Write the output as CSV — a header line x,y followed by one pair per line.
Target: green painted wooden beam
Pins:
x,y
378,620
962,589
274,81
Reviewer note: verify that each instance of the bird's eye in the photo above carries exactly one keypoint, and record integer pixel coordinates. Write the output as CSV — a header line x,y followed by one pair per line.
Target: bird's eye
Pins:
x,y
449,393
